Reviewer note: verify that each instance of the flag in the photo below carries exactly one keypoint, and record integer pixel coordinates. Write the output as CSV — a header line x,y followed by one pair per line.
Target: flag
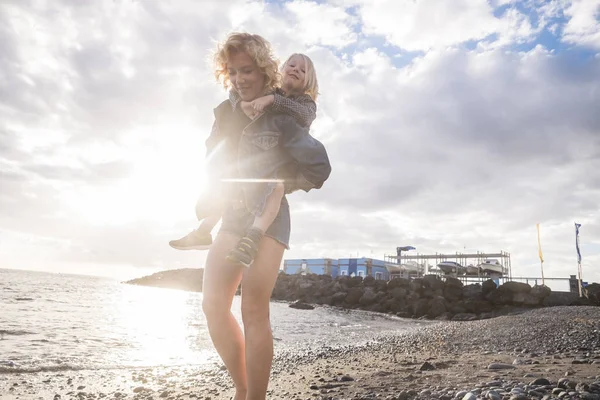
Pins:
x,y
577,226
539,243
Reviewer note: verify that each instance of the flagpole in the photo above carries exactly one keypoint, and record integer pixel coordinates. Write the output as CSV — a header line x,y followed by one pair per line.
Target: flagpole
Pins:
x,y
579,274
540,253
579,277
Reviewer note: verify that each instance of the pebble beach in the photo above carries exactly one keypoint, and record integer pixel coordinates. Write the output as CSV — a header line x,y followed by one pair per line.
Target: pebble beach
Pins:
x,y
546,353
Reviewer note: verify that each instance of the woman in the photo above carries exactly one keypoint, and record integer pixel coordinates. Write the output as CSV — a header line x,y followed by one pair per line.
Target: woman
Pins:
x,y
245,63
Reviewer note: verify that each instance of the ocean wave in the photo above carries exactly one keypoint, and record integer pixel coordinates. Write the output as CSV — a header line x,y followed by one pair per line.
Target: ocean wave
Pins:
x,y
46,368
17,332
10,367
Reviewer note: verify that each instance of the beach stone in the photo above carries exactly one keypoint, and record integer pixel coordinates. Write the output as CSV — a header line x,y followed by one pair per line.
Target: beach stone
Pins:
x,y
540,382
299,305
589,396
469,396
426,367
493,395
500,366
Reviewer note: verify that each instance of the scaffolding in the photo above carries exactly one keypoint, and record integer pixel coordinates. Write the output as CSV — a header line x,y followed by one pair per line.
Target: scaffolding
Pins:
x,y
399,264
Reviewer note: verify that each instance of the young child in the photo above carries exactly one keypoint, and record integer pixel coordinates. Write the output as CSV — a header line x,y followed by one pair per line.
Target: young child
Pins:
x,y
296,97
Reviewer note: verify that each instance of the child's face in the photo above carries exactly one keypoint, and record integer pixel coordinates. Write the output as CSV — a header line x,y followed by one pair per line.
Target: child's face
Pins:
x,y
245,76
294,75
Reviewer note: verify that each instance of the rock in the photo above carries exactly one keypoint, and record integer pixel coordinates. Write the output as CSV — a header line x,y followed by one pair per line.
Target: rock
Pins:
x,y
464,317
338,298
488,287
500,296
493,395
426,366
473,292
301,306
420,307
354,295
368,281
516,287
478,306
397,283
526,299
496,366
469,396
540,382
189,279
369,296
433,283
540,291
416,285
592,293
453,289
560,299
437,306
397,293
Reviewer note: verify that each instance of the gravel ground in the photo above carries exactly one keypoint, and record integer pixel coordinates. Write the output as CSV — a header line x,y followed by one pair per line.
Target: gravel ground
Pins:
x,y
540,354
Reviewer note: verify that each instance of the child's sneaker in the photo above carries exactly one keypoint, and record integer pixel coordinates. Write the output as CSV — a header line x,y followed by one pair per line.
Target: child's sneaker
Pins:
x,y
193,241
244,252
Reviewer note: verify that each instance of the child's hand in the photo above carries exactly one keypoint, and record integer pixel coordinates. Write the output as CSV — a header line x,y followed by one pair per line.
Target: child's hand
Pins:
x,y
263,102
248,109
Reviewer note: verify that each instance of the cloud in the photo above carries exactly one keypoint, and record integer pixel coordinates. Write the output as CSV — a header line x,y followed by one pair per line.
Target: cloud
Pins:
x,y
583,27
444,131
428,24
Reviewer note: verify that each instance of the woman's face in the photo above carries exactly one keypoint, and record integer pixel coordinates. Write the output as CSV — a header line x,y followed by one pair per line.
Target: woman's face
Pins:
x,y
293,75
245,76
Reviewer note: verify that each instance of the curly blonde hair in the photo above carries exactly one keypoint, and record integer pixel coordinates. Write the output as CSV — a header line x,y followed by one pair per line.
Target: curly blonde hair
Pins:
x,y
311,84
258,48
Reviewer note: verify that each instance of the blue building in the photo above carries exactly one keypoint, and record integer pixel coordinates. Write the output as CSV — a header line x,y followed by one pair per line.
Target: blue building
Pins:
x,y
341,267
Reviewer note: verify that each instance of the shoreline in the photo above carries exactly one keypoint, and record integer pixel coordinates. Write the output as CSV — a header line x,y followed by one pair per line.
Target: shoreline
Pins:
x,y
438,361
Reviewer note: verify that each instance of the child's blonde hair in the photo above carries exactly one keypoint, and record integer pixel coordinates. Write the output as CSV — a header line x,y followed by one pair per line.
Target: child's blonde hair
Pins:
x,y
311,84
259,50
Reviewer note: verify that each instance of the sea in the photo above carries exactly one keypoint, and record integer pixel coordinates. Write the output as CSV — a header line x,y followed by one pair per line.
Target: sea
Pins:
x,y
60,322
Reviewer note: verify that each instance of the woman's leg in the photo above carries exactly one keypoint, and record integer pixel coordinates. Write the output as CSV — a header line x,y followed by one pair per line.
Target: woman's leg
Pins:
x,y
257,285
221,280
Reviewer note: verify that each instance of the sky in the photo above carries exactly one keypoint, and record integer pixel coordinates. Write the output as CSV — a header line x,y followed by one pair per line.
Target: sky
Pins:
x,y
450,126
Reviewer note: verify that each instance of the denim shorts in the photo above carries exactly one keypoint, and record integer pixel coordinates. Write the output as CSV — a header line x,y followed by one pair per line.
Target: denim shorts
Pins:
x,y
237,220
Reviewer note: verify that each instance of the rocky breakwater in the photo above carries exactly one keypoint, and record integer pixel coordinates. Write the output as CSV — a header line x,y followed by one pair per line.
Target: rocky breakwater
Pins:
x,y
189,279
428,297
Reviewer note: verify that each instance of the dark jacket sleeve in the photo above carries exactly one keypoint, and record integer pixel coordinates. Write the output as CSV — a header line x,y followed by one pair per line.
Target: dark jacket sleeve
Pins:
x,y
213,140
311,166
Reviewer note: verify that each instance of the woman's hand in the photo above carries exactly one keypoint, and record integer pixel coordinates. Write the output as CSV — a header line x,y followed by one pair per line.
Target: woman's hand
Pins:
x,y
262,102
248,109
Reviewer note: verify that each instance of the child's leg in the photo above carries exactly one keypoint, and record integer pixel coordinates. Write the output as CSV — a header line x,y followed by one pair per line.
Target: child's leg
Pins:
x,y
247,247
208,224
264,221
200,238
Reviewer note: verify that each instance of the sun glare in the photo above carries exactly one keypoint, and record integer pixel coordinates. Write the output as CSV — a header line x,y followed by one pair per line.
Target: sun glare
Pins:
x,y
163,324
167,175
